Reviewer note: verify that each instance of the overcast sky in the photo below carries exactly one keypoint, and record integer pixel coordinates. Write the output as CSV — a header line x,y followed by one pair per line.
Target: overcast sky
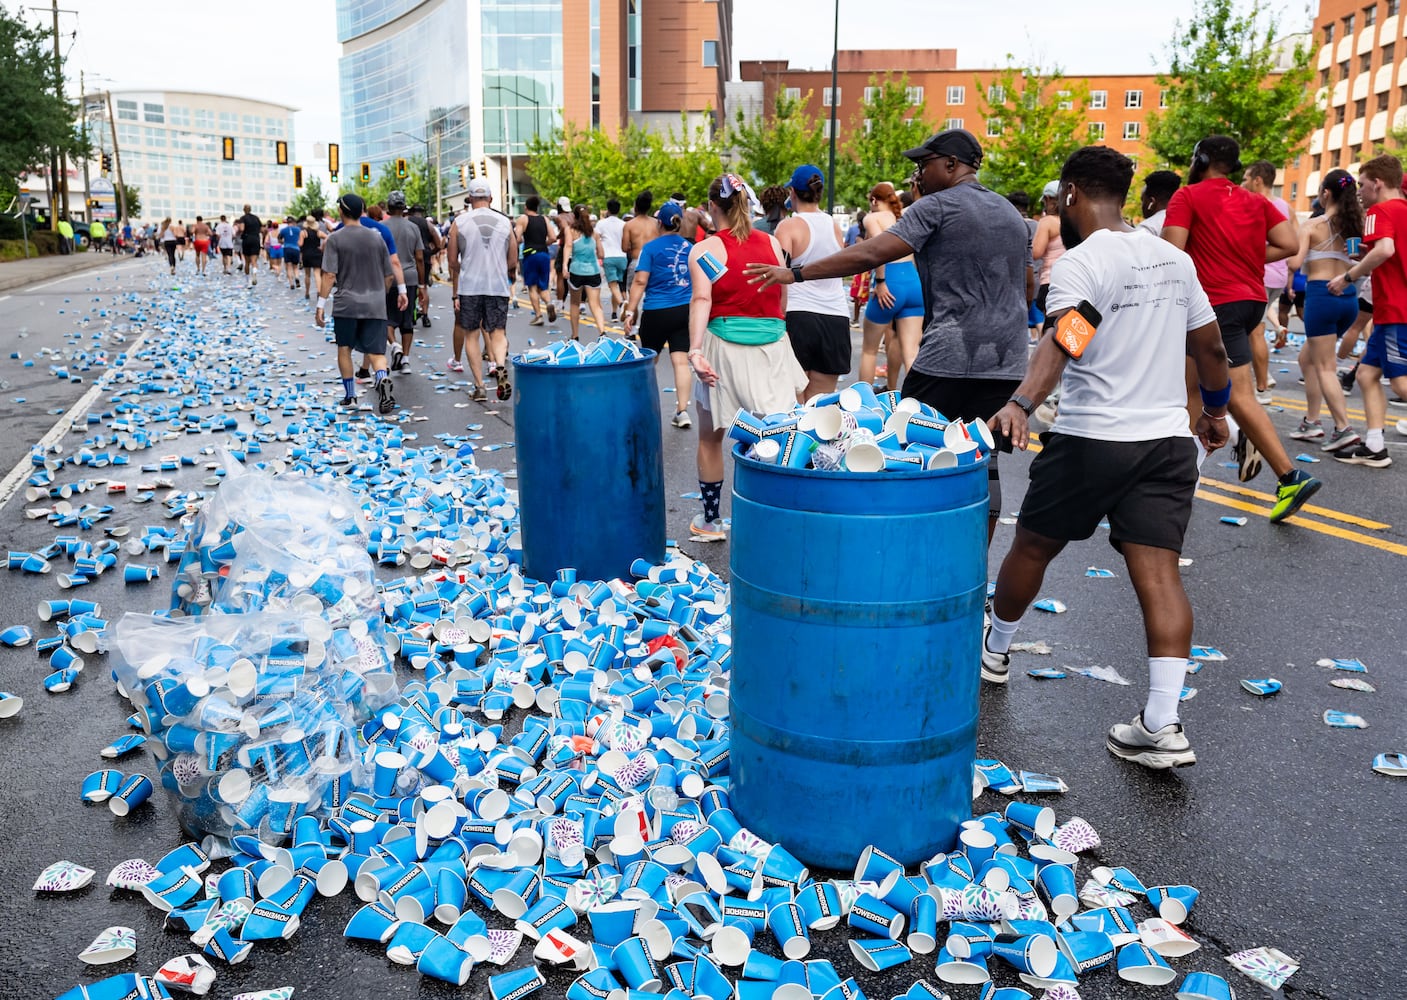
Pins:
x,y
287,51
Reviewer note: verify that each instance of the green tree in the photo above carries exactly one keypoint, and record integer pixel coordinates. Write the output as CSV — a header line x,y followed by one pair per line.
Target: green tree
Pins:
x,y
1039,116
312,196
771,147
35,120
133,195
589,166
886,127
1226,76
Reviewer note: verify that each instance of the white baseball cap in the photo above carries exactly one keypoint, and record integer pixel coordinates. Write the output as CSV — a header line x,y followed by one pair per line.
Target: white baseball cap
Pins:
x,y
479,189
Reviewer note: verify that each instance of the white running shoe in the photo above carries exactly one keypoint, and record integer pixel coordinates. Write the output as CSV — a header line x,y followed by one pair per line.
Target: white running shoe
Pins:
x,y
1168,747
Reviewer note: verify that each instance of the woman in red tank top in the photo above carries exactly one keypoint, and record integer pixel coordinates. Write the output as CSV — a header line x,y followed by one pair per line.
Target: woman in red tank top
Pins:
x,y
737,338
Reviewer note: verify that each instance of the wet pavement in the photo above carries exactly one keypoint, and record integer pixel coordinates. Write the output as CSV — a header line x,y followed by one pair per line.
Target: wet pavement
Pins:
x,y
1282,824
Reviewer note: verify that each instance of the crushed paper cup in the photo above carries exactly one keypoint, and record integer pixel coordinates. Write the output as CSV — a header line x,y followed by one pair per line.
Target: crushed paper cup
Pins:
x,y
133,874
63,876
1267,966
1391,764
278,993
1204,986
1353,684
1076,836
1262,687
1166,938
116,944
1173,902
10,704
1344,720
1138,963
188,973
1050,605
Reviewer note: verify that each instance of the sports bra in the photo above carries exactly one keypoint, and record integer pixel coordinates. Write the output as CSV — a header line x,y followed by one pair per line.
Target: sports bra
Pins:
x,y
1319,253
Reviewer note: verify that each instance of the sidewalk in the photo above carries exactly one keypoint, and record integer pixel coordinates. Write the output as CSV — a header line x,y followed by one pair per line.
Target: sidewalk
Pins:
x,y
19,273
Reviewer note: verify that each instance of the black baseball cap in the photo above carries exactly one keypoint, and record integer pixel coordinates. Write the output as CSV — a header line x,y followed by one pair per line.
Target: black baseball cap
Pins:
x,y
352,205
958,143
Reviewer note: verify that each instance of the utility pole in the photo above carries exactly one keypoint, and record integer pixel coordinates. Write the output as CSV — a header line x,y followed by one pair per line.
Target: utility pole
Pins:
x,y
61,182
87,187
835,100
117,160
439,177
508,164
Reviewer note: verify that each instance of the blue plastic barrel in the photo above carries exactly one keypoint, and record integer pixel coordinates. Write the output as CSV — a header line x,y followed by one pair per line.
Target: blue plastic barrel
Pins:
x,y
857,612
590,467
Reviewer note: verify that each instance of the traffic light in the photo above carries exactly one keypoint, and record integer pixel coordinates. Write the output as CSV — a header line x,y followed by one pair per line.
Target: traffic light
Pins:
x,y
484,167
281,153
463,176
472,173
401,172
366,173
297,176
334,160
106,162
227,148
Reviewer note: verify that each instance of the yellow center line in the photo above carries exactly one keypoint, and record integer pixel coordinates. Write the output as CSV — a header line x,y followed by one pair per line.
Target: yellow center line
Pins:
x,y
1298,407
1323,529
1335,515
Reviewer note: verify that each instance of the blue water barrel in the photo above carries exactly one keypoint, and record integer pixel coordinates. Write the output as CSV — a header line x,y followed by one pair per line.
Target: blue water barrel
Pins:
x,y
590,467
857,612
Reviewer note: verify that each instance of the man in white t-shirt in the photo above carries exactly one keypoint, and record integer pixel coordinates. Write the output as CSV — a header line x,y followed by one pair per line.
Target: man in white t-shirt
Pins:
x,y
1120,447
224,239
611,228
483,264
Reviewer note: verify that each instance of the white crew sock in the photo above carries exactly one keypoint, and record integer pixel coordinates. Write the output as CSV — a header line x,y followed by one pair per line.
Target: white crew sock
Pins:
x,y
1373,438
999,640
1165,679
1232,426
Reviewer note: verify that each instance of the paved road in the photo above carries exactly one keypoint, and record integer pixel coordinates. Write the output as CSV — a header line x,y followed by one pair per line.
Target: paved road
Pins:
x,y
1282,824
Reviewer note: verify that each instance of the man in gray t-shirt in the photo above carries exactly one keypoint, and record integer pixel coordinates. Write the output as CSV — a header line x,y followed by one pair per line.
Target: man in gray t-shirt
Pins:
x,y
357,259
410,249
972,250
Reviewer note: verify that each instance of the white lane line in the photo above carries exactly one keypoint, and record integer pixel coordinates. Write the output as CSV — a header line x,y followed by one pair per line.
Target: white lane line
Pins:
x,y
79,274
23,469
3,298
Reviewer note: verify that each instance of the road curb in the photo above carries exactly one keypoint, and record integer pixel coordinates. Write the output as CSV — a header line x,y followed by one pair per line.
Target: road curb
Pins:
x,y
75,264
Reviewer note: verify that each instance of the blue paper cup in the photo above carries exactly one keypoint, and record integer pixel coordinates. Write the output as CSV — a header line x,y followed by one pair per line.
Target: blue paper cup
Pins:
x,y
443,961
796,450
101,785
875,916
1173,902
1031,819
267,921
1204,986
598,984
612,923
1138,963
1086,950
731,944
746,427
450,894
387,766
878,954
224,946
547,914
635,966
135,790
788,927
16,636
923,924
820,906
992,992
1033,954
139,574
1057,884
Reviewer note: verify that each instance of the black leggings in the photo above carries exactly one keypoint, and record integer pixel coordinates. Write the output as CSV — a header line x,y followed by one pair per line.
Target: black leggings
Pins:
x,y
170,246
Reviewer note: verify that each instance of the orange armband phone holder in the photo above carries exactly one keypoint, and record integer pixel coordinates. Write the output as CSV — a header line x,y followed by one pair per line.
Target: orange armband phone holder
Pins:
x,y
1076,327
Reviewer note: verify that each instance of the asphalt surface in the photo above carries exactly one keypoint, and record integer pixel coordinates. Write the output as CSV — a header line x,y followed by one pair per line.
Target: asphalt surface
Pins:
x,y
1291,837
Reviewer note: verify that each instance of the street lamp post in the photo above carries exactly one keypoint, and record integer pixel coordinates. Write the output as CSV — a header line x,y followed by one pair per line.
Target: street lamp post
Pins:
x,y
835,74
436,161
508,138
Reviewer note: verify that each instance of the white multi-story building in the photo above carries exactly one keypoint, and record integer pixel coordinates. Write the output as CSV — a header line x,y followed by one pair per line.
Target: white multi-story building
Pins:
x,y
171,145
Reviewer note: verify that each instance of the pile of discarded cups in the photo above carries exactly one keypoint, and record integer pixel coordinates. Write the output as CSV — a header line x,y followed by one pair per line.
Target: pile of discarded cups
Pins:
x,y
857,430
603,351
555,770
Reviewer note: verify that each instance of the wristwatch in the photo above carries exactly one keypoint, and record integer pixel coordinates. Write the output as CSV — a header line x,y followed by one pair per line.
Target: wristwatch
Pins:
x,y
1027,407
796,274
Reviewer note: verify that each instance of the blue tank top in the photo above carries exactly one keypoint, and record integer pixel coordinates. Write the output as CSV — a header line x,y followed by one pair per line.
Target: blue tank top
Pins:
x,y
584,256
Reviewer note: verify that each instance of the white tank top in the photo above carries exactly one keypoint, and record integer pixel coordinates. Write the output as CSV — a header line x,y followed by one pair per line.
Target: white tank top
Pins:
x,y
483,252
827,295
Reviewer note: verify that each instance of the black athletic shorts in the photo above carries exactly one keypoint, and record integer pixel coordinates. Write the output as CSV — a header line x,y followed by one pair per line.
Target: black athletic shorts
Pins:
x,y
665,327
227,251
1237,320
360,334
1364,306
482,312
1041,292
1145,488
966,399
820,342
401,319
580,281
250,248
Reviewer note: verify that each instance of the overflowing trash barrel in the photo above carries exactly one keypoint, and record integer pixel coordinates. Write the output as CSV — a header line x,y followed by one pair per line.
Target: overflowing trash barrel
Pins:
x,y
857,612
590,466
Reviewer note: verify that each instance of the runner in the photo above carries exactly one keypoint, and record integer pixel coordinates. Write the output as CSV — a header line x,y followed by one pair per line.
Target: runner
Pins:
x,y
179,229
224,233
562,219
410,248
971,248
584,264
273,248
610,229
1158,189
1230,234
1120,447
818,316
483,262
250,231
640,229
291,244
1380,189
662,279
372,220
737,338
311,252
201,237
358,261
1046,245
535,233
1323,256
896,297
773,199
434,249
168,241
1260,180
1021,201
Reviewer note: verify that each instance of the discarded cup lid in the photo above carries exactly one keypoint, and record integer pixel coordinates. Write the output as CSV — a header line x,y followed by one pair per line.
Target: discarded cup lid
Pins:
x,y
115,944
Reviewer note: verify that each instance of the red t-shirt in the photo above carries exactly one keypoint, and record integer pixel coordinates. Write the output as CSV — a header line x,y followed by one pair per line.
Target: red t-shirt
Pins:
x,y
1226,230
1389,219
